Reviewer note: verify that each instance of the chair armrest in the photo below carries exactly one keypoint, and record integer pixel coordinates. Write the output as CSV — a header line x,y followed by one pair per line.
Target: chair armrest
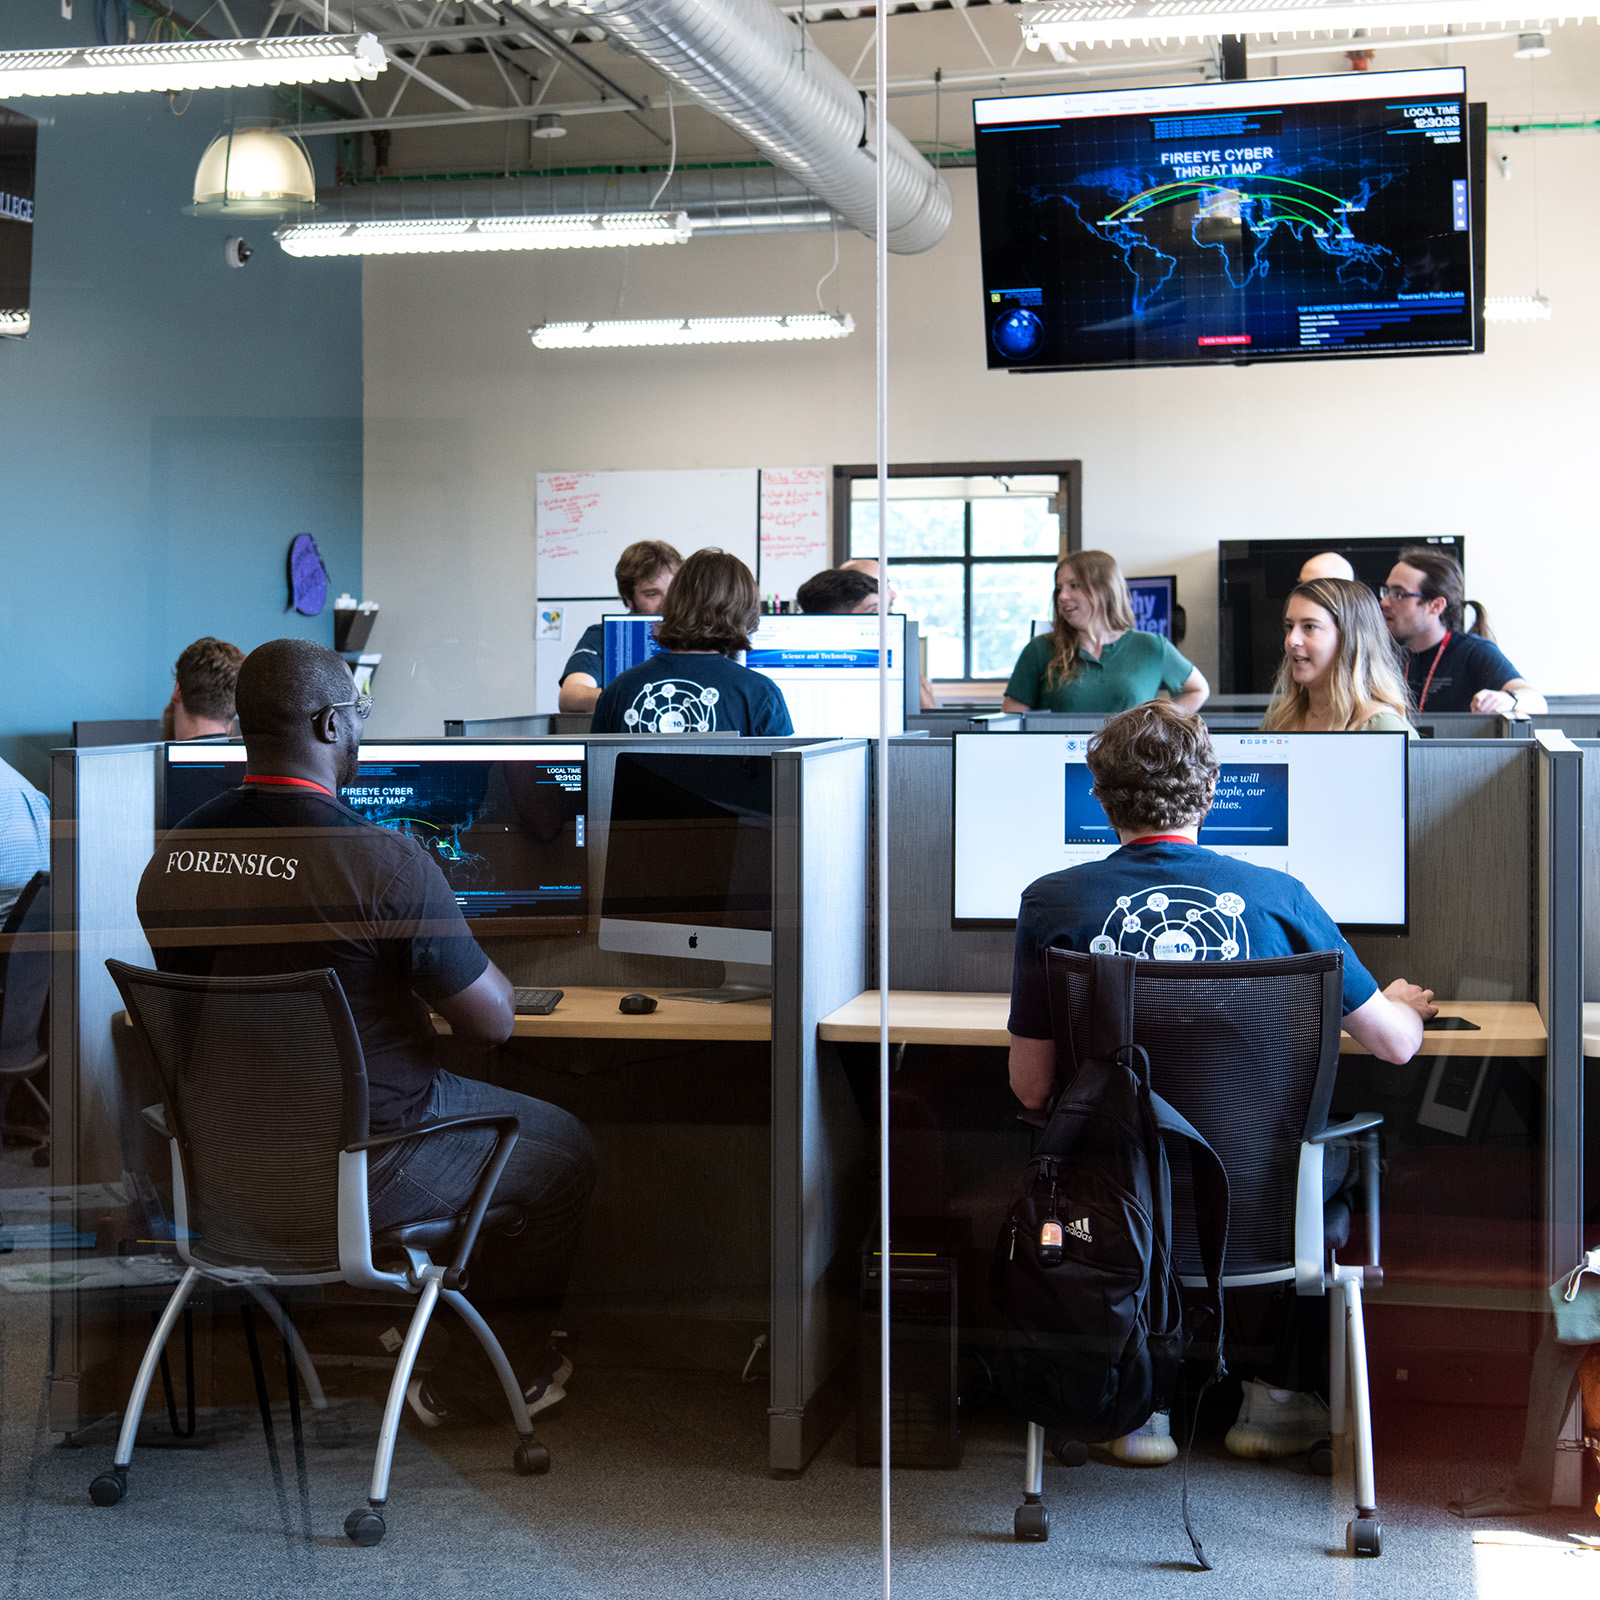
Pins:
x,y
156,1117
1359,1123
506,1130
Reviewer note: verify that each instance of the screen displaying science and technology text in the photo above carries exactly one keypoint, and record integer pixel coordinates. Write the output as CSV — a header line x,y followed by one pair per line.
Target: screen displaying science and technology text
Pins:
x,y
506,824
826,666
1327,808
1278,218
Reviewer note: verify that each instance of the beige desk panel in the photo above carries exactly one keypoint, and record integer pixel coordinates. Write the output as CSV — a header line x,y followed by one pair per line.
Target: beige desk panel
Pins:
x,y
1507,1029
593,1014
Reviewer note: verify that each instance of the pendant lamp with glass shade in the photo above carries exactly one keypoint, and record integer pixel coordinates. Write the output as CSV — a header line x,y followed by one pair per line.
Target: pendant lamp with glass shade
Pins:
x,y
258,172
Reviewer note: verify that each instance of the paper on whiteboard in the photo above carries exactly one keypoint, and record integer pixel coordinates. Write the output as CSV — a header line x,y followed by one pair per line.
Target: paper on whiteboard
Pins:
x,y
794,528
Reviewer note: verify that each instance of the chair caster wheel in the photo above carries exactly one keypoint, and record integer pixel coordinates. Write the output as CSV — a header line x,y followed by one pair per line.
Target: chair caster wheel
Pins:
x,y
1320,1462
364,1527
109,1487
1364,1537
331,1432
1032,1523
1072,1452
531,1458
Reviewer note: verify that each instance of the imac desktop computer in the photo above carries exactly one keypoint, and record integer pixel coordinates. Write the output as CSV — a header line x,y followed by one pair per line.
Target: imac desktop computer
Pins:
x,y
505,823
826,666
1328,808
689,865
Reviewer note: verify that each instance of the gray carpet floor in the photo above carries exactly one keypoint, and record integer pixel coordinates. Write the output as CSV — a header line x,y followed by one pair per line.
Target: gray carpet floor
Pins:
x,y
659,1489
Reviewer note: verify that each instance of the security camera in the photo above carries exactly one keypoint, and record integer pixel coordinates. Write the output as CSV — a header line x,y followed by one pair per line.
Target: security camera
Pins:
x,y
236,252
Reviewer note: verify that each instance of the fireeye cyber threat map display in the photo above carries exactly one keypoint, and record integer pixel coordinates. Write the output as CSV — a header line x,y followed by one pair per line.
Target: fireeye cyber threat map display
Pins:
x,y
1227,222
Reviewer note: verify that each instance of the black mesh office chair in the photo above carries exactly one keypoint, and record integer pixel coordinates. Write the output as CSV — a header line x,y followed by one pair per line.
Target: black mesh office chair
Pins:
x,y
264,1092
24,990
1248,1052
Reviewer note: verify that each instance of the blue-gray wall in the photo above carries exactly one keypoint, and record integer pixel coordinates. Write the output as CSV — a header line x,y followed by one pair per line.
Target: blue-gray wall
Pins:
x,y
171,422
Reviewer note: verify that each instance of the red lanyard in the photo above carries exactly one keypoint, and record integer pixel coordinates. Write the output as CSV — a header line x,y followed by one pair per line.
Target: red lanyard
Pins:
x,y
1427,683
299,783
1161,838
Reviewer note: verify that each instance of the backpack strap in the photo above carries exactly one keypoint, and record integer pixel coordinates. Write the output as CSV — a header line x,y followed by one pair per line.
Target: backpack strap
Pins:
x,y
1209,1180
1111,1013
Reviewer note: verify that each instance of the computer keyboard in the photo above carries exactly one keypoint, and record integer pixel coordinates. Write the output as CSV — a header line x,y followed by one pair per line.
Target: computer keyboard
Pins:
x,y
537,1002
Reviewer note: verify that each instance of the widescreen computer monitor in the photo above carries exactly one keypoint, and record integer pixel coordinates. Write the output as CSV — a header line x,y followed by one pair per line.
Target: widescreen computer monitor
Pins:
x,y
1155,604
1254,577
506,823
826,666
689,863
1273,219
1328,808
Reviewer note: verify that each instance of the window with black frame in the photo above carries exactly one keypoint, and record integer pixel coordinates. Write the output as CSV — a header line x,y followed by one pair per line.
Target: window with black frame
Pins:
x,y
972,558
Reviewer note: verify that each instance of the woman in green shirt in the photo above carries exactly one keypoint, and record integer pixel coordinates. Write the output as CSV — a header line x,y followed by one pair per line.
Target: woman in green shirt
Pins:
x,y
1339,673
1095,660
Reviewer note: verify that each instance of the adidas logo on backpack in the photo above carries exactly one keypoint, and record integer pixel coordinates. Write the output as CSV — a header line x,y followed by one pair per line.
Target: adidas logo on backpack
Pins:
x,y
1080,1230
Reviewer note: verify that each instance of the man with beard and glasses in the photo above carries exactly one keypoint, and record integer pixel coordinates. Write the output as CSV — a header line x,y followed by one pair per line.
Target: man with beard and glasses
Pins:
x,y
279,875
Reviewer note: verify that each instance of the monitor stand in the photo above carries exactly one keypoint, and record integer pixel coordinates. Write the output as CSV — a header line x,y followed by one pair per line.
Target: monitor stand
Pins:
x,y
740,981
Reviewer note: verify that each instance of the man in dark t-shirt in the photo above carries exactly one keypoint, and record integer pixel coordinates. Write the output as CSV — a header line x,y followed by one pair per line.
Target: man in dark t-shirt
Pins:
x,y
279,875
1165,897
644,574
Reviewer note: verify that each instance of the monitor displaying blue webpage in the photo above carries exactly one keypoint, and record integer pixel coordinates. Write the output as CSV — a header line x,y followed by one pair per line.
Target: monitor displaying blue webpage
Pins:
x,y
506,823
827,667
1327,808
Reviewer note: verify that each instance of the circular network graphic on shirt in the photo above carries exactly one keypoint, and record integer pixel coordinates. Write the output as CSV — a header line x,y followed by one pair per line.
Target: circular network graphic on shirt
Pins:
x,y
1175,922
669,707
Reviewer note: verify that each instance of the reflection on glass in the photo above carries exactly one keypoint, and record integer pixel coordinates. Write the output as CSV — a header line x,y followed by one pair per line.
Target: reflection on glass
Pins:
x,y
1024,526
916,527
932,593
1005,600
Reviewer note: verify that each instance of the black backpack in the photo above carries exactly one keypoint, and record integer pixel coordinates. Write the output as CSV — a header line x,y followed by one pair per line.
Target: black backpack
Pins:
x,y
1083,1267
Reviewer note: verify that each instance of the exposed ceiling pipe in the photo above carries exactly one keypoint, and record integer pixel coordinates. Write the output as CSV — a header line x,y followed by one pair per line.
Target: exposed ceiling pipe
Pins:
x,y
745,62
718,200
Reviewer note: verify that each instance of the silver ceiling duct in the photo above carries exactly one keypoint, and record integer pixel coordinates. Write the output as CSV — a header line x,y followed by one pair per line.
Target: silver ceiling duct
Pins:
x,y
745,62
717,200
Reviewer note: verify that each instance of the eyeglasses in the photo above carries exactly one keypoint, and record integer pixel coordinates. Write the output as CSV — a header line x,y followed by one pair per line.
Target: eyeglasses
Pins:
x,y
361,705
1393,591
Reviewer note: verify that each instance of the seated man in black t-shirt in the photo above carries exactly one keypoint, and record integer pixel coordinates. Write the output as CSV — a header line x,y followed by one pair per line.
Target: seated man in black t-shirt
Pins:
x,y
283,877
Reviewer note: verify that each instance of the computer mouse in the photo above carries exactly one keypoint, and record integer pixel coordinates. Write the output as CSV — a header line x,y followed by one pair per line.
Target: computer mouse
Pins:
x,y
636,1005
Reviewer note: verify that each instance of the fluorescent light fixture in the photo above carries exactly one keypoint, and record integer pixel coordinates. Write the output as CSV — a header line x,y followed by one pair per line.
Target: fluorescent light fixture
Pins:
x,y
192,64
435,235
689,330
1089,22
1516,308
13,324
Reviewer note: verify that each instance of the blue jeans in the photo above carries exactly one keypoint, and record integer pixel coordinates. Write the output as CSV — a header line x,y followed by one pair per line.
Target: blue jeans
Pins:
x,y
550,1175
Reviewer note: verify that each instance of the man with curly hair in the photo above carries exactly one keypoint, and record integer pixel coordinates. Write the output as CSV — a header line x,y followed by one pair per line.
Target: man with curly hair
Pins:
x,y
1155,774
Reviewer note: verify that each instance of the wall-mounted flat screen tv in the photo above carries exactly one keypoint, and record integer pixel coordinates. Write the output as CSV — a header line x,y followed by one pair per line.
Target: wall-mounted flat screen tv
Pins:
x,y
19,143
1267,220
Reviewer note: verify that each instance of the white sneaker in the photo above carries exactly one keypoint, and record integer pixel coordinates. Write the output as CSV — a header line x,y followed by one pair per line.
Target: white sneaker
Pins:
x,y
1276,1422
1149,1446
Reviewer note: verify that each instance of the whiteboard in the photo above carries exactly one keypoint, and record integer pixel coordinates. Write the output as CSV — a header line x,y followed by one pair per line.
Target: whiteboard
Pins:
x,y
585,520
794,528
550,655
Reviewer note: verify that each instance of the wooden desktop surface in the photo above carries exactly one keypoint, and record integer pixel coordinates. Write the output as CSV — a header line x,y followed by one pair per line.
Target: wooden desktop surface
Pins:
x,y
592,1014
1507,1028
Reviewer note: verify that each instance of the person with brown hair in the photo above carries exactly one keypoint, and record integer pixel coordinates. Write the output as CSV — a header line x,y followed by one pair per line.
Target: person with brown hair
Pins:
x,y
644,574
1447,667
1094,659
1155,774
201,706
694,685
1338,673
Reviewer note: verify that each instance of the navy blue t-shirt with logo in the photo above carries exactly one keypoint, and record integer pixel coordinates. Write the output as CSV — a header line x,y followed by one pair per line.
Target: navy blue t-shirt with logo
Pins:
x,y
1466,664
682,692
271,878
588,655
1168,901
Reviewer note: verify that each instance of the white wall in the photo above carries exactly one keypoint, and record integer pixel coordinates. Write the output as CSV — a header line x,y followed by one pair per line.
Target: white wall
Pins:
x,y
462,413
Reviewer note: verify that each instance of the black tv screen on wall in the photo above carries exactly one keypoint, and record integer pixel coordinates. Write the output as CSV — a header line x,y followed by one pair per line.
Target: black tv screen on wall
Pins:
x,y
19,143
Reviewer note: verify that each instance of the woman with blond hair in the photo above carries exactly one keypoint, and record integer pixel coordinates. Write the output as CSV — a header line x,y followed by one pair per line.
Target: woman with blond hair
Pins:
x,y
1095,660
1339,673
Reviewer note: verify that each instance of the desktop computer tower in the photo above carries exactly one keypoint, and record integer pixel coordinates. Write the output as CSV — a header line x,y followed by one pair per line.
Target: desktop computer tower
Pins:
x,y
924,1414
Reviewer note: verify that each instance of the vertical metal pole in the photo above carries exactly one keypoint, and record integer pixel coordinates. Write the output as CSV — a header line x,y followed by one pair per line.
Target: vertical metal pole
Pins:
x,y
880,144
